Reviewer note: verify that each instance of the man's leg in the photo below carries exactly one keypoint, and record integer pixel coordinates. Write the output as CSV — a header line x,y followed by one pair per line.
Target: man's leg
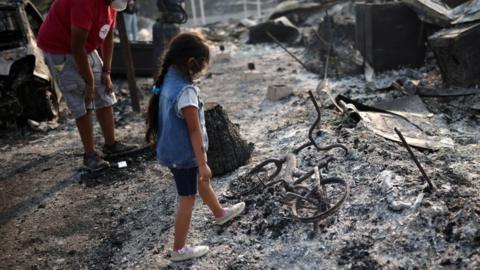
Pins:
x,y
111,147
91,160
107,123
72,85
85,129
103,102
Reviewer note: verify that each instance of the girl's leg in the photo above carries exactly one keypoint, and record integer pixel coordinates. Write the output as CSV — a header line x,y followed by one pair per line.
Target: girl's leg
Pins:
x,y
210,198
182,220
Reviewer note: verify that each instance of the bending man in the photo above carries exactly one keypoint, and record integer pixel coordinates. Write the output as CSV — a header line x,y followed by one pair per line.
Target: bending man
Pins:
x,y
69,37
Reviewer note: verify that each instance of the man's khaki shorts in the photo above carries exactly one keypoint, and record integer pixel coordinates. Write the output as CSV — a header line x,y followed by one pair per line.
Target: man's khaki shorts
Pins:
x,y
72,85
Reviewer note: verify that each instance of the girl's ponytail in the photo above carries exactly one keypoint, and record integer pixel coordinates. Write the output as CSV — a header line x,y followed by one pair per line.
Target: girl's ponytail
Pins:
x,y
153,104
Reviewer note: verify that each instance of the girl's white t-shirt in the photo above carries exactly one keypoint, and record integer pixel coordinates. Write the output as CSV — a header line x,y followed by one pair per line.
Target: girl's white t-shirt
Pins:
x,y
188,98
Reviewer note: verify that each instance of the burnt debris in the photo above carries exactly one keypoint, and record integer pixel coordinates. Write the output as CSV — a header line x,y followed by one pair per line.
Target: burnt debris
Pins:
x,y
27,90
457,53
389,36
308,202
281,28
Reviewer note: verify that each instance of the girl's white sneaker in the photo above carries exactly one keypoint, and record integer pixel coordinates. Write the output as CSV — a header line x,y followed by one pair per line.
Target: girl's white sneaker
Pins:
x,y
187,253
230,213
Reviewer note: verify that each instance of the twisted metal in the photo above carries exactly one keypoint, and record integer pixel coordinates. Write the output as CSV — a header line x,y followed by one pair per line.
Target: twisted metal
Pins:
x,y
307,204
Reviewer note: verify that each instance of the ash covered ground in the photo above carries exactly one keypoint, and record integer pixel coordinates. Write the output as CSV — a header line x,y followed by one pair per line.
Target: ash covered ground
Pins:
x,y
54,216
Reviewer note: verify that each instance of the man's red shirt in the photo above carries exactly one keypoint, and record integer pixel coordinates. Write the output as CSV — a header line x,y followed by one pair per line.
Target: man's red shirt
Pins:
x,y
94,16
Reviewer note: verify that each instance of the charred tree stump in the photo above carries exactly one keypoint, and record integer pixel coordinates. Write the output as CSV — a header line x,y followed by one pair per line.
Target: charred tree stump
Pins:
x,y
227,150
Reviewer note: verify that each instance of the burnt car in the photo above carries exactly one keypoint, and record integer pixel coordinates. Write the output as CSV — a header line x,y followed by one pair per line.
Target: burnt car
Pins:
x,y
27,90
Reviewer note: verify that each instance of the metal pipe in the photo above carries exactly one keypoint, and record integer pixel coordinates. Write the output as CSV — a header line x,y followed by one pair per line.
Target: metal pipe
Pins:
x,y
127,57
405,144
286,50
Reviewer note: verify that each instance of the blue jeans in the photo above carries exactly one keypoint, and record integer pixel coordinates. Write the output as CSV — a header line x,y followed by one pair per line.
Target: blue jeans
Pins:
x,y
131,25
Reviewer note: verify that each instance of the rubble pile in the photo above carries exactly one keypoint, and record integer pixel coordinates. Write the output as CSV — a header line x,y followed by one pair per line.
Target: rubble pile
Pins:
x,y
330,45
389,220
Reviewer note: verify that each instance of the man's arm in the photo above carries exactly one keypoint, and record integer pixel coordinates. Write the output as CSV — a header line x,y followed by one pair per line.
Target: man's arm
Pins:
x,y
78,40
107,51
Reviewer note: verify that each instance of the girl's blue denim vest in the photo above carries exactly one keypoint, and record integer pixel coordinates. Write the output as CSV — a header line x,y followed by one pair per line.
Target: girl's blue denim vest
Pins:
x,y
174,148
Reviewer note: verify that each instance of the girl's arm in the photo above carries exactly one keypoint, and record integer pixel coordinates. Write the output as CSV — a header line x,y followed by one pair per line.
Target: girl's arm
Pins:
x,y
190,114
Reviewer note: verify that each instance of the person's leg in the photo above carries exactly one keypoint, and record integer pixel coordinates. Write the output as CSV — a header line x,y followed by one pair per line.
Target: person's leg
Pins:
x,y
128,25
210,198
104,101
134,26
63,69
107,123
186,183
182,220
72,85
85,129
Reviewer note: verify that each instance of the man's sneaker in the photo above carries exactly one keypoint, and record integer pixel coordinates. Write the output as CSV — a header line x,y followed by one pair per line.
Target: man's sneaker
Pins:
x,y
230,213
94,163
187,253
118,149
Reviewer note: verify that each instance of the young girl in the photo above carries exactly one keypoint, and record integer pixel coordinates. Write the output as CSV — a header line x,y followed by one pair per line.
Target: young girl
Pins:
x,y
176,123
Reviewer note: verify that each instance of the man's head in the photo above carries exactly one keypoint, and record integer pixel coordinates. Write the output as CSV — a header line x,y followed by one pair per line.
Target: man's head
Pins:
x,y
118,5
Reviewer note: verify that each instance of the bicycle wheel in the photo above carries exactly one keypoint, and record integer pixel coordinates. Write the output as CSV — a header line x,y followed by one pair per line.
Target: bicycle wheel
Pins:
x,y
309,206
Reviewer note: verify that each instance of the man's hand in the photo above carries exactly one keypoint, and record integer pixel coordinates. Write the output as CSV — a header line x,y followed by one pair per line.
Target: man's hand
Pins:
x,y
205,174
89,93
107,81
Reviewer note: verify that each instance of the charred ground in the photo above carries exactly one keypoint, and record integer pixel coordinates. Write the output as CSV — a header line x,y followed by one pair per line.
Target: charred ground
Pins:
x,y
55,216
